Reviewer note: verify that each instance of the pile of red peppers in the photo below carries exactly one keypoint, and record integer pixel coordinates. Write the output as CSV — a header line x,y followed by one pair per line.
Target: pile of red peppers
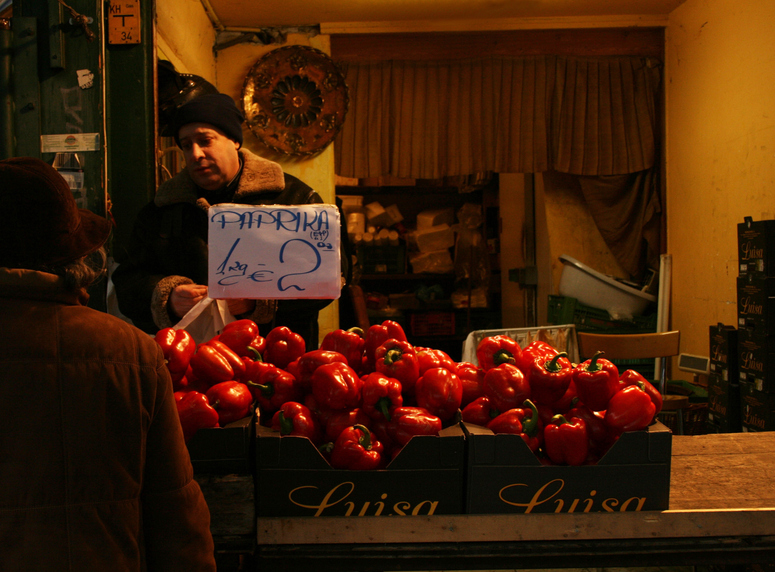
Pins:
x,y
362,396
568,414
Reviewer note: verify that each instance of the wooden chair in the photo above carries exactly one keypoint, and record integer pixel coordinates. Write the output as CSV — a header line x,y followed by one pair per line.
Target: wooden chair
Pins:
x,y
640,346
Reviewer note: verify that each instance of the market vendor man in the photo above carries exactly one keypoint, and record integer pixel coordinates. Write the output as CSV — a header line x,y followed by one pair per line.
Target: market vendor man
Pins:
x,y
164,271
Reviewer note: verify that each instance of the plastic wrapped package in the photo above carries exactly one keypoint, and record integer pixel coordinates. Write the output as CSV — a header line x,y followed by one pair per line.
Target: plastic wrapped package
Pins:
x,y
436,262
472,259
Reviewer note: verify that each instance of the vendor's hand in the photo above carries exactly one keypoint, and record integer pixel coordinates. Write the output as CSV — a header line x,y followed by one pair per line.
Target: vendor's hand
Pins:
x,y
237,307
185,297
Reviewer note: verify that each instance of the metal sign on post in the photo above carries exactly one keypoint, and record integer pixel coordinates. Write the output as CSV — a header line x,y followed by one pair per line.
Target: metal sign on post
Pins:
x,y
124,22
274,251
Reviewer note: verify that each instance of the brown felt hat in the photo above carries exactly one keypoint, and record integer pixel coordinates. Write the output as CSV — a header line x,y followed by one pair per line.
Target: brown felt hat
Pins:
x,y
42,224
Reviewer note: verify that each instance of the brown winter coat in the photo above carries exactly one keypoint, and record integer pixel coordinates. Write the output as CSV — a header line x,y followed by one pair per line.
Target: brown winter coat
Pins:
x,y
95,474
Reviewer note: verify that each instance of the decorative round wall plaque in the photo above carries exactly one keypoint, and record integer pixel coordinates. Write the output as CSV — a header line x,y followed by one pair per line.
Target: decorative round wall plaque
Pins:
x,y
295,100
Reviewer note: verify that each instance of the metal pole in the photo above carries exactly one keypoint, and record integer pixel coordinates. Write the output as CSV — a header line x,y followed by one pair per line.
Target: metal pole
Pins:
x,y
6,98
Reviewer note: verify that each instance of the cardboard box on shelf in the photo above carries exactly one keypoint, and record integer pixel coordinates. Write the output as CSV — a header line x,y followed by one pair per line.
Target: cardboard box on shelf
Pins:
x,y
434,217
504,476
294,479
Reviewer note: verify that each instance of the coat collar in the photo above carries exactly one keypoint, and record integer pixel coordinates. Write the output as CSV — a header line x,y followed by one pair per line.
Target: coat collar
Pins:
x,y
258,175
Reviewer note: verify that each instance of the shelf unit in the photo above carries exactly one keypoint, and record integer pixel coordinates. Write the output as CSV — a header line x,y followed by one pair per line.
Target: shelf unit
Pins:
x,y
435,322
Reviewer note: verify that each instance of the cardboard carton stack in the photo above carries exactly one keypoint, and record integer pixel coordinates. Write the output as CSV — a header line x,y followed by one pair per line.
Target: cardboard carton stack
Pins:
x,y
723,381
756,323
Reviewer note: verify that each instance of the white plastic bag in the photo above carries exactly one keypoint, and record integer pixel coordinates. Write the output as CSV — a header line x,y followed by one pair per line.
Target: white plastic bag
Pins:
x,y
206,320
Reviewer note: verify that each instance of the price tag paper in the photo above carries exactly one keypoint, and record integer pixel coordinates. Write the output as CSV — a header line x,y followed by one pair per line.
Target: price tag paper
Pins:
x,y
274,251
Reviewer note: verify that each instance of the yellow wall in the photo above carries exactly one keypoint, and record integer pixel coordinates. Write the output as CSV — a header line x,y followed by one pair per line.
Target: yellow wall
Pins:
x,y
185,37
720,101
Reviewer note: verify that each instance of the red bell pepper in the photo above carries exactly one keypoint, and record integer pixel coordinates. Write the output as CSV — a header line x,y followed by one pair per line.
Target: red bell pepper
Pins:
x,y
600,436
567,401
630,409
406,422
349,343
377,335
429,358
356,449
241,335
520,421
440,392
235,361
336,386
480,412
321,414
549,378
471,376
340,420
310,361
271,386
380,394
506,386
396,359
178,348
296,419
283,346
210,366
231,399
596,380
534,350
566,441
195,413
632,377
492,351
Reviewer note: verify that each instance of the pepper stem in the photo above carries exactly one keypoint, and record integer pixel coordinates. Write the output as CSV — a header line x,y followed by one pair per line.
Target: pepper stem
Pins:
x,y
286,425
266,389
553,366
503,356
530,426
392,356
256,354
383,406
593,365
365,440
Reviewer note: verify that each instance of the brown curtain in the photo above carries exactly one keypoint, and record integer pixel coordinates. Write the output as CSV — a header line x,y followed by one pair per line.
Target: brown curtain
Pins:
x,y
592,117
430,119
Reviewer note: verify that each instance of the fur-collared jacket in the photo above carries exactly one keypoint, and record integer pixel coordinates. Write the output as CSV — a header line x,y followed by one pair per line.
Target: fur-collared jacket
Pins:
x,y
168,247
96,475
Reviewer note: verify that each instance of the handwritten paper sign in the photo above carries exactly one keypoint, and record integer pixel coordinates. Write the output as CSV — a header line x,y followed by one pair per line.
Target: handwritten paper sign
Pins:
x,y
274,251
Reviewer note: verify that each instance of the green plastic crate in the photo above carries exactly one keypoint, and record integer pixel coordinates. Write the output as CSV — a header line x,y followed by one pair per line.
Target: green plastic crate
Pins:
x,y
567,310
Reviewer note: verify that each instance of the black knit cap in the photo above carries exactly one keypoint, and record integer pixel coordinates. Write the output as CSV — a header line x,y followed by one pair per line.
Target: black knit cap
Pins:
x,y
217,109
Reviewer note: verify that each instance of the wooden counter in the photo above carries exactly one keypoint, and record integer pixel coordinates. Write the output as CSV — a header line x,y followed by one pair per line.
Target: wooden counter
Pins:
x,y
722,510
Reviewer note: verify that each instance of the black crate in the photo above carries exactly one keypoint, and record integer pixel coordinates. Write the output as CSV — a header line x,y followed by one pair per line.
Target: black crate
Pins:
x,y
756,304
568,310
224,450
723,352
723,405
506,477
756,358
294,479
756,247
757,408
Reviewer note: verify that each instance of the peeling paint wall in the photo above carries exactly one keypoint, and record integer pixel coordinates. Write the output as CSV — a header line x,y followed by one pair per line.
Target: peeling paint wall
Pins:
x,y
720,101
